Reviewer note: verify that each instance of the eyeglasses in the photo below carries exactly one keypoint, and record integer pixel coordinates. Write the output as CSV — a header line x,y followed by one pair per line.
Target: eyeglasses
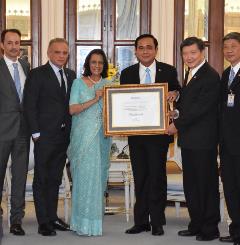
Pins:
x,y
96,63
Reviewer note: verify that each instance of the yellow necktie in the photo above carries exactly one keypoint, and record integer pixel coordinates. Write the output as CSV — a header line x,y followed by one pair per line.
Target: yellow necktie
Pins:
x,y
189,76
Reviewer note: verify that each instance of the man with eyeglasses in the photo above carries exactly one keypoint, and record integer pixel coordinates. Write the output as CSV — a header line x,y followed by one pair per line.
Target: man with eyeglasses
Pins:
x,y
46,100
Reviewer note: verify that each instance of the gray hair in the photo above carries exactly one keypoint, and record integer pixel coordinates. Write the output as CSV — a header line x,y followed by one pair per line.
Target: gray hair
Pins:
x,y
57,40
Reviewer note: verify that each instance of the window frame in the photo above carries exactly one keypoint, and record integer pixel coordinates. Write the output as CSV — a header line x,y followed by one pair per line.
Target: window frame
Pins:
x,y
108,19
215,34
35,41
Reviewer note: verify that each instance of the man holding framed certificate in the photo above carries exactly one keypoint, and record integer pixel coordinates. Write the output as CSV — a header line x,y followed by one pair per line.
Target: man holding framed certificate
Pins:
x,y
148,153
197,126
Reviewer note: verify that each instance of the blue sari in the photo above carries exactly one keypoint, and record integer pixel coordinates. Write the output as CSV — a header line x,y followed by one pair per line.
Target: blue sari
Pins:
x,y
88,153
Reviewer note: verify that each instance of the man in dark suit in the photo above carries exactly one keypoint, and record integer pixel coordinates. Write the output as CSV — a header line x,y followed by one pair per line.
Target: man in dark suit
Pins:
x,y
46,98
230,134
197,126
149,153
14,136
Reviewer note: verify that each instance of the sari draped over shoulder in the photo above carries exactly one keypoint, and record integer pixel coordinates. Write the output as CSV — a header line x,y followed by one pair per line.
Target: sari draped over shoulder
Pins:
x,y
88,154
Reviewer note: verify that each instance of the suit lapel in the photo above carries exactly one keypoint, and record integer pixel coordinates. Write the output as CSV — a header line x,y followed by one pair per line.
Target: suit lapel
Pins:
x,y
198,74
53,78
24,66
236,79
55,83
158,72
8,80
135,75
185,78
69,81
224,79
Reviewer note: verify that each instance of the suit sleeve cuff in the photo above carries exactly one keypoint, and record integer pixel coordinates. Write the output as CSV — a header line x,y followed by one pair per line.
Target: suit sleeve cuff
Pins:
x,y
36,135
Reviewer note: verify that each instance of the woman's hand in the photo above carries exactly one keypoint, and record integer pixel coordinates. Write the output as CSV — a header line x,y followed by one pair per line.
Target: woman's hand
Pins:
x,y
98,94
78,108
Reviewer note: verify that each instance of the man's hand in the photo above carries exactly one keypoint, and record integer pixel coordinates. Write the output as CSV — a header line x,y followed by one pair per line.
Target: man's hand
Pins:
x,y
35,139
171,129
172,95
173,114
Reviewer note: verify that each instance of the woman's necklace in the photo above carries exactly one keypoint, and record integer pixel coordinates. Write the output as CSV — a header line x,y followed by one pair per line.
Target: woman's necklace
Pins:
x,y
94,82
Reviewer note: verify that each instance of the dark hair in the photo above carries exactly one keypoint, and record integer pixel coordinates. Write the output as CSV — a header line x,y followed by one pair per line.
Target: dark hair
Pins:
x,y
87,71
144,36
232,35
193,40
4,32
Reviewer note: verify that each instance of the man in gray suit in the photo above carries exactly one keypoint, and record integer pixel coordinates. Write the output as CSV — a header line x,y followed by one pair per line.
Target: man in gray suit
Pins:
x,y
14,136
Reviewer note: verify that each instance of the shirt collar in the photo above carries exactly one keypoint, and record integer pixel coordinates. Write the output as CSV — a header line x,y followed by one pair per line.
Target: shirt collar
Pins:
x,y
236,68
152,67
194,70
55,68
8,61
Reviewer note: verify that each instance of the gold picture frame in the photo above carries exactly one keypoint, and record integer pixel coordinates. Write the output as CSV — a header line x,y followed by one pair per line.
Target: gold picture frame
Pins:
x,y
137,109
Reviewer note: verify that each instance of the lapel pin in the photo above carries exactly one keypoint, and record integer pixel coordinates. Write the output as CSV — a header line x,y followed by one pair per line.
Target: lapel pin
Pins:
x,y
159,69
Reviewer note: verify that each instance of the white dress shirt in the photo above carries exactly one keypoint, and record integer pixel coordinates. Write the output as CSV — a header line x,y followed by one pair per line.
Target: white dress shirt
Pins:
x,y
194,70
56,71
20,70
143,73
236,68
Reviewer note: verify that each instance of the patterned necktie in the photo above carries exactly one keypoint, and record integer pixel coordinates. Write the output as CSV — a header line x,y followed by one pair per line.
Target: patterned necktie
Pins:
x,y
148,76
231,77
17,80
63,87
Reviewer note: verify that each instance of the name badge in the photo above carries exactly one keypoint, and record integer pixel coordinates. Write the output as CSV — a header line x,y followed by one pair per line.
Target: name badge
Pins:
x,y
230,101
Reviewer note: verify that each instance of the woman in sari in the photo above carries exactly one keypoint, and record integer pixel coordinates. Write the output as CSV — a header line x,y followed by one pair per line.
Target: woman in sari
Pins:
x,y
88,151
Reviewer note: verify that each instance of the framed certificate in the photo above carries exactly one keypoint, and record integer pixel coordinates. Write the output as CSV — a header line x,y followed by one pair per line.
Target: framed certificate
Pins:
x,y
135,109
